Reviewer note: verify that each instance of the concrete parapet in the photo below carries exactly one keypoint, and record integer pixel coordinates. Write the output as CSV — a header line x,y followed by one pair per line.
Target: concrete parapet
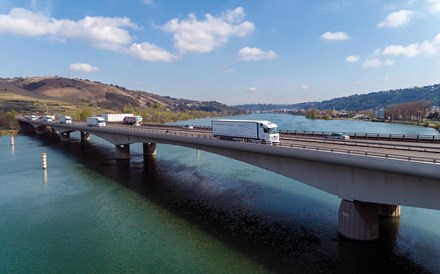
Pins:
x,y
358,220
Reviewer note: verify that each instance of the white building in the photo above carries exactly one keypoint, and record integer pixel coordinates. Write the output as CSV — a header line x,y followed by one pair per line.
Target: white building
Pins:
x,y
379,113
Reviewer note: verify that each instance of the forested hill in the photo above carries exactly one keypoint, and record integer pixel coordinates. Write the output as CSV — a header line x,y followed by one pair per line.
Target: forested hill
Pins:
x,y
373,100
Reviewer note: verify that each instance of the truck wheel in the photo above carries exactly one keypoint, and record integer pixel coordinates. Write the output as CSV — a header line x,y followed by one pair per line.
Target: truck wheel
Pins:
x,y
263,142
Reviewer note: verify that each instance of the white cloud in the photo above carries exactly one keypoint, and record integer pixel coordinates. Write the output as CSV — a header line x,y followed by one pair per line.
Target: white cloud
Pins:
x,y
255,54
151,3
149,52
426,48
192,35
397,19
83,67
229,70
252,89
102,32
433,6
376,62
304,87
335,36
352,59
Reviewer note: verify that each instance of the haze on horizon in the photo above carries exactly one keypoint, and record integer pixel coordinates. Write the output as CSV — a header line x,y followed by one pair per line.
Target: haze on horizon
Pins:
x,y
234,52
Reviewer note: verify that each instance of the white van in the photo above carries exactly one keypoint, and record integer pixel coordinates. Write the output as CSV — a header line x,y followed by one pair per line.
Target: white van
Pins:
x,y
95,122
65,120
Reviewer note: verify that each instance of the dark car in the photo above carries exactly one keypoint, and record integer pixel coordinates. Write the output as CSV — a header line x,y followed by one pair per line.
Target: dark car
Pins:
x,y
337,135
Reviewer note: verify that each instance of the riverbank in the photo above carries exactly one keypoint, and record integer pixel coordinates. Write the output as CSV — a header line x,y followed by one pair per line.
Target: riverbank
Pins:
x,y
4,132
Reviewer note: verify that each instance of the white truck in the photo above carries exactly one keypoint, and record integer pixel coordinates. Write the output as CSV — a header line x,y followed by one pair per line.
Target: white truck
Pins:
x,y
252,131
95,122
47,118
65,120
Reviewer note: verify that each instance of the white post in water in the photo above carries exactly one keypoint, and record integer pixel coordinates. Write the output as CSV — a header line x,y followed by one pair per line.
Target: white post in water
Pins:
x,y
12,140
44,160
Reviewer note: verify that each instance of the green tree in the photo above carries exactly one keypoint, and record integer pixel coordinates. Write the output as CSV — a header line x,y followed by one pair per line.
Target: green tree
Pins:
x,y
84,113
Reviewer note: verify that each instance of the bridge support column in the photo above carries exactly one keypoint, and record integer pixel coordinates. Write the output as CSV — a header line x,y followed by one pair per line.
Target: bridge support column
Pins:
x,y
122,152
149,149
85,136
65,136
391,211
358,220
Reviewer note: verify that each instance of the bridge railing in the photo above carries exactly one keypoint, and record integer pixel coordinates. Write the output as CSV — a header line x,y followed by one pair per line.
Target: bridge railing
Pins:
x,y
352,151
371,136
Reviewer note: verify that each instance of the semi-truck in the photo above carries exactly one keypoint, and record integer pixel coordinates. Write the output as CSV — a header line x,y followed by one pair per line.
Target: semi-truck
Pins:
x,y
95,121
253,131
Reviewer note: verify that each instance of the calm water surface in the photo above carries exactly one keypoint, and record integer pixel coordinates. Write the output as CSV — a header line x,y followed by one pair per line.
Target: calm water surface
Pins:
x,y
188,211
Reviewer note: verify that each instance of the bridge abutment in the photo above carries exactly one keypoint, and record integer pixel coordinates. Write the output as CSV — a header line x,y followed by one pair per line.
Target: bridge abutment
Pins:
x,y
122,152
149,149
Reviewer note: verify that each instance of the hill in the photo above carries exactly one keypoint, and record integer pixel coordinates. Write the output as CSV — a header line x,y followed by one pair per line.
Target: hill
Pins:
x,y
66,96
374,100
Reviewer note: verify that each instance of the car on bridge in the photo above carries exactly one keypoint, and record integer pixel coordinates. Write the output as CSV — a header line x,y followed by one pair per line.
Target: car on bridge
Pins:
x,y
338,136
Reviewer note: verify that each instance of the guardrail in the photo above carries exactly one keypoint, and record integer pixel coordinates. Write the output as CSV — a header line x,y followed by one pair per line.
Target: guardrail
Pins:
x,y
371,136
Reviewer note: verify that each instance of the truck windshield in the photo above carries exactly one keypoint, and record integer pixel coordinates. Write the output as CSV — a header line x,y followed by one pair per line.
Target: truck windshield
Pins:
x,y
273,130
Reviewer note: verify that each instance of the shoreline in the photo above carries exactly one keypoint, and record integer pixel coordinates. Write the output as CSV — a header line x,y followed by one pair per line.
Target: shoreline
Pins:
x,y
5,132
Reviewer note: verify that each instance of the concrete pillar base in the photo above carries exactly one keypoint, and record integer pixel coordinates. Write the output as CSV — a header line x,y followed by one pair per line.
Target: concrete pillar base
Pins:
x,y
85,136
122,152
65,137
358,221
390,211
149,149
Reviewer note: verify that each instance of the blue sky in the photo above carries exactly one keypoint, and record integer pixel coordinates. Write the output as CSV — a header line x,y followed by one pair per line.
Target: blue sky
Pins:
x,y
234,52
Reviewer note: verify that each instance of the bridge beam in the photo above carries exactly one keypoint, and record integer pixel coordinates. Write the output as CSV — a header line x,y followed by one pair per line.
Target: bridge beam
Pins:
x,y
149,149
358,220
122,152
85,136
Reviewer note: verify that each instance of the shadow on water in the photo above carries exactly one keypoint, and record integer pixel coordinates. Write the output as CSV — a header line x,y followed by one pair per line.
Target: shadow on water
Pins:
x,y
282,244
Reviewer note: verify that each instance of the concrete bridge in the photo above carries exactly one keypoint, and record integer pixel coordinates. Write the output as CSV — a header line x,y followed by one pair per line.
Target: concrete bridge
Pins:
x,y
373,178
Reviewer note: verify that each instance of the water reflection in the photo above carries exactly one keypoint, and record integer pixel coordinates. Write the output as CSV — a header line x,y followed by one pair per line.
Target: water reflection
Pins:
x,y
45,178
241,214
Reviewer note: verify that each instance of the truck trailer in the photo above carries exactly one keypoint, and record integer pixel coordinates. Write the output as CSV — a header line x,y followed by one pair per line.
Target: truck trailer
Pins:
x,y
251,131
95,122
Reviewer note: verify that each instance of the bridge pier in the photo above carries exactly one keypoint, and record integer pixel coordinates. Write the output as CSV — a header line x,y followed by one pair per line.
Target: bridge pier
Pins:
x,y
65,136
149,149
390,211
122,152
85,136
360,220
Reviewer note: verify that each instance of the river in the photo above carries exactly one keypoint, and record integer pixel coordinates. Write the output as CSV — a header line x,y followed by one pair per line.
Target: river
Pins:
x,y
189,211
